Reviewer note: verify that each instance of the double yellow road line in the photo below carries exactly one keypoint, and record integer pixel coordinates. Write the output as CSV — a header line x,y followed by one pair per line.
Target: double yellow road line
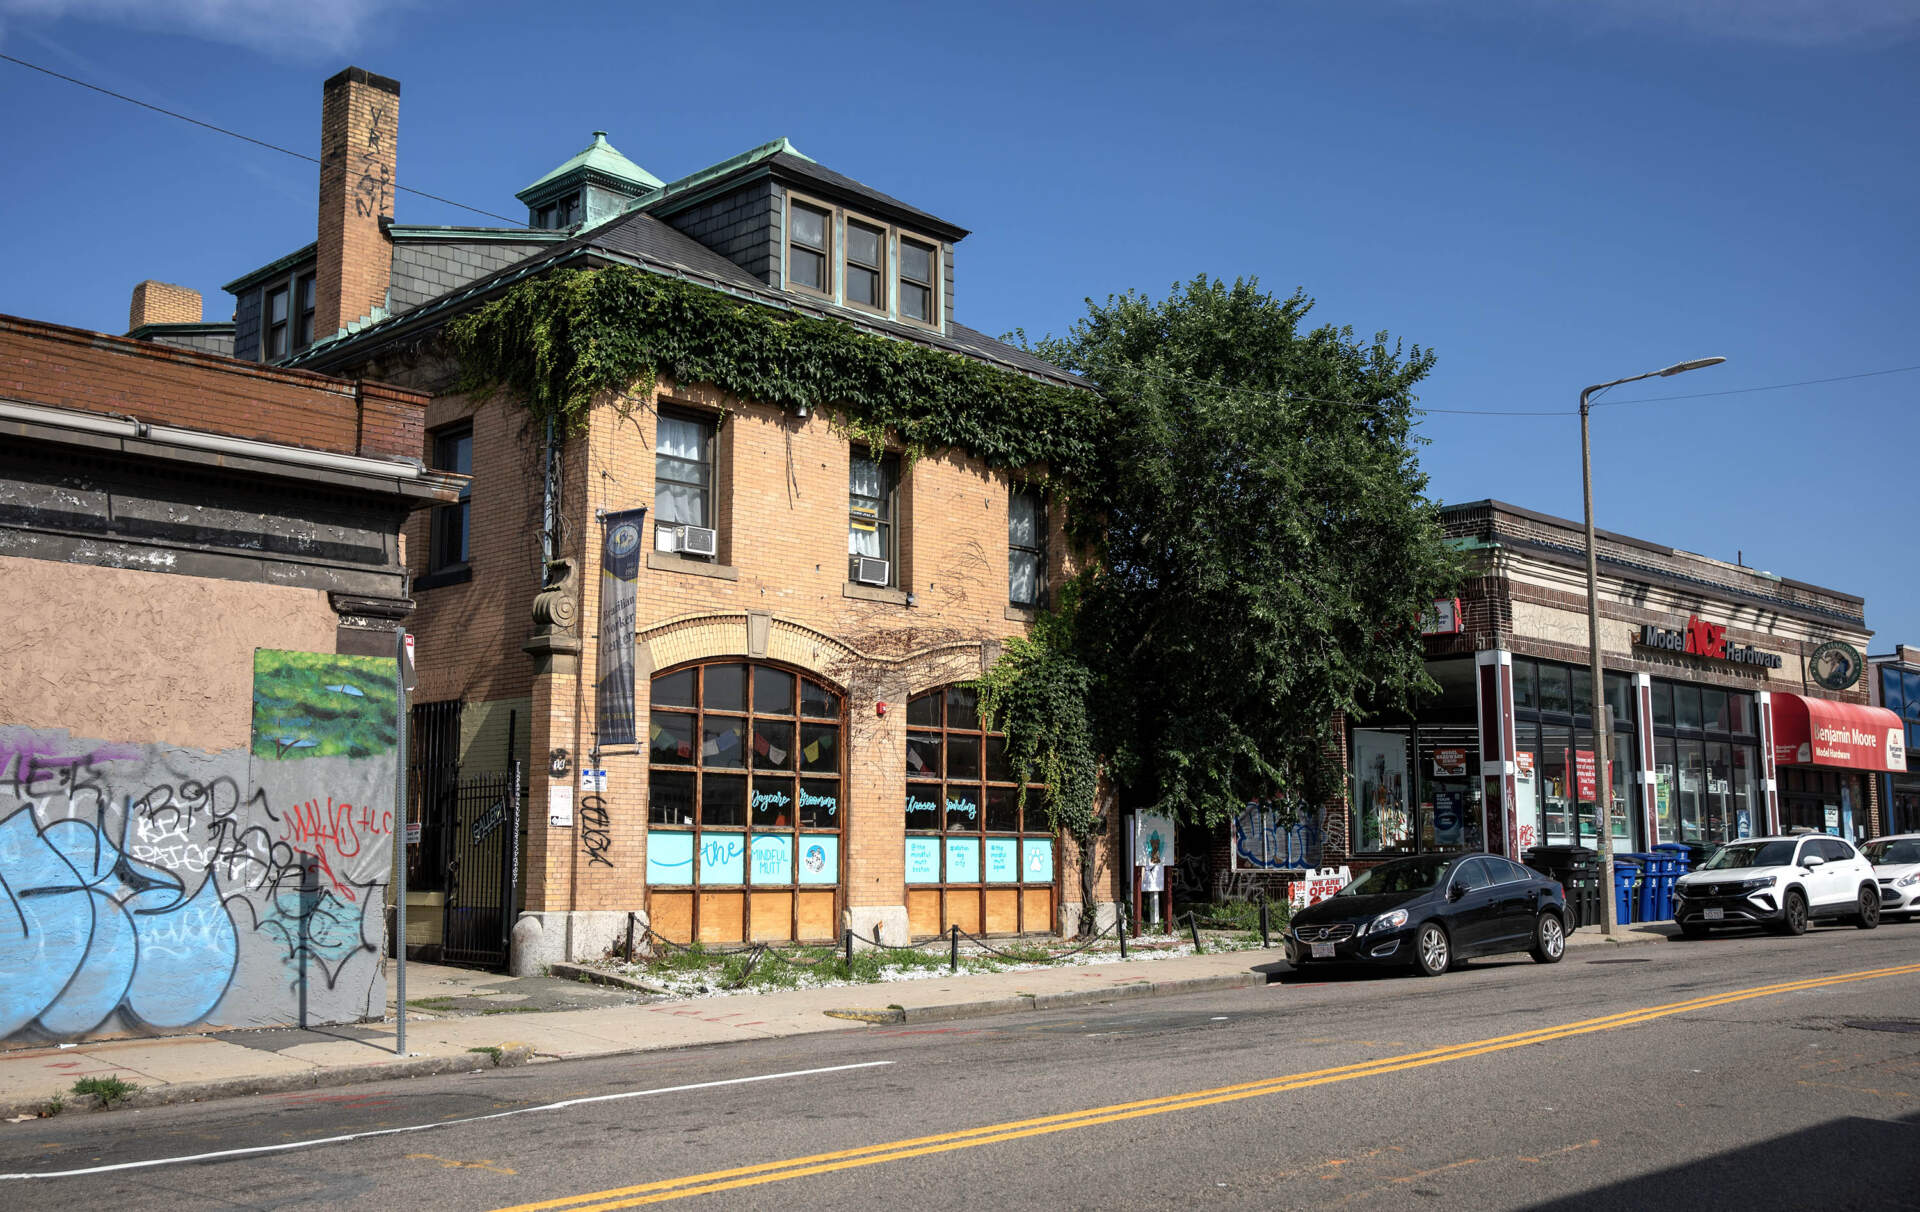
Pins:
x,y
715,1181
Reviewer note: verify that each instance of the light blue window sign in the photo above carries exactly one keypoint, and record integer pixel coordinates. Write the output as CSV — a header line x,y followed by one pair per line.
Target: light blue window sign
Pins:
x,y
923,860
723,858
771,860
1036,860
669,858
963,860
819,859
1003,860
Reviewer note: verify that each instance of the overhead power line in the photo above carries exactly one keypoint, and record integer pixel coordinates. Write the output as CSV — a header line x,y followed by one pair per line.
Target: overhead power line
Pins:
x,y
234,134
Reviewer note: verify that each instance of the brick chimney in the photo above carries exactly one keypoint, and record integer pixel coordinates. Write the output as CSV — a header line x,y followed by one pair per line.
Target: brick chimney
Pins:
x,y
359,125
162,303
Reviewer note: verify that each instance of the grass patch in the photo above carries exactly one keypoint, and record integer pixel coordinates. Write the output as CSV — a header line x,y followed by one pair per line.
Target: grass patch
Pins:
x,y
53,1107
431,1003
109,1090
488,1051
510,1010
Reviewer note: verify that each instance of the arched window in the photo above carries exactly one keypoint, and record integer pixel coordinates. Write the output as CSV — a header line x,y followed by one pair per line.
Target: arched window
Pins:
x,y
974,856
745,795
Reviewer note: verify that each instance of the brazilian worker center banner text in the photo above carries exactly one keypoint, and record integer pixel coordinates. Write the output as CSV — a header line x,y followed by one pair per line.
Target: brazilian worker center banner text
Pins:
x,y
619,566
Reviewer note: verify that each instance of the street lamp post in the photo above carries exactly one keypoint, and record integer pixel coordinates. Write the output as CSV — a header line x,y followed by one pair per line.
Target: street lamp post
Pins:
x,y
1603,776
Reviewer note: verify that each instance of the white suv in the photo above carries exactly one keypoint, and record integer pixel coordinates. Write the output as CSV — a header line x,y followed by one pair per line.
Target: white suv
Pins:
x,y
1780,883
1896,864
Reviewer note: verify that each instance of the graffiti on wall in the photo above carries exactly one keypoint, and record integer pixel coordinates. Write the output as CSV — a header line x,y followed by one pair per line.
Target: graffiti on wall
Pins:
x,y
149,887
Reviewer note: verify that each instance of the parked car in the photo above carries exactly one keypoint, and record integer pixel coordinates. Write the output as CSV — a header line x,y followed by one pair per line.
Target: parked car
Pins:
x,y
1782,883
1433,911
1896,866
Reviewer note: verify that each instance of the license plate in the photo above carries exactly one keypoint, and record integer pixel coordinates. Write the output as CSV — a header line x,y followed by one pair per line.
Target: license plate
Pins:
x,y
1714,915
1323,951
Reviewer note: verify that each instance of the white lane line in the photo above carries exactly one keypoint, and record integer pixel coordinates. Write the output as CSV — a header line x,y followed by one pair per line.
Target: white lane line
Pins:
x,y
445,1123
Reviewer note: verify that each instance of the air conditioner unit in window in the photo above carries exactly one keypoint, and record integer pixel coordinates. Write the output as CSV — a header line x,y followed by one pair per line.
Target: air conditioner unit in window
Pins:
x,y
871,572
699,541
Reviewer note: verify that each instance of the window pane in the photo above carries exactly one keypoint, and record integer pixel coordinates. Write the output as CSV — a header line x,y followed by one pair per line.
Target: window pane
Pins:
x,y
963,757
923,710
669,469
671,738
454,452
963,808
807,269
1693,773
820,748
720,746
863,477
1719,793
679,503
1525,686
1555,692
723,799
923,805
277,307
669,798
866,538
674,689
863,245
1686,706
916,262
923,755
772,744
1022,528
1023,578
726,687
1890,687
809,227
819,803
863,287
1582,693
1620,698
916,302
963,707
1663,704
681,438
999,769
1003,809
1740,710
1666,789
773,802
819,702
772,691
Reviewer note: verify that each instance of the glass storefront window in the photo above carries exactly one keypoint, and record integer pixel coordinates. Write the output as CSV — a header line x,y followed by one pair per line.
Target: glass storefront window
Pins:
x,y
1382,791
1556,692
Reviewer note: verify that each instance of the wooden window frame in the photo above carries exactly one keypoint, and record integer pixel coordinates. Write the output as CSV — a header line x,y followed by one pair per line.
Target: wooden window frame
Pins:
x,y
935,267
888,520
268,329
303,308
710,427
847,264
442,521
1039,550
826,253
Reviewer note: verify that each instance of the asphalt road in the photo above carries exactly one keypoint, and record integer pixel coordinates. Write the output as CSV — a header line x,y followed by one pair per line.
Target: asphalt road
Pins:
x,y
1741,1072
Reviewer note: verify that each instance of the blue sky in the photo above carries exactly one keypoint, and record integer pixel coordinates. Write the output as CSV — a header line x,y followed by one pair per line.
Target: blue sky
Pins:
x,y
1546,194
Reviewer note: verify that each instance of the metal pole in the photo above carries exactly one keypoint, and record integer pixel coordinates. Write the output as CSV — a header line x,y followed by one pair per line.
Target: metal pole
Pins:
x,y
1193,924
1266,927
848,938
400,815
953,950
1603,784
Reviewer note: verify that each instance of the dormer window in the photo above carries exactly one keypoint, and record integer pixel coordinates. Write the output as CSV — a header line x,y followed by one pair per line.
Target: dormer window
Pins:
x,y
808,229
916,280
561,212
866,281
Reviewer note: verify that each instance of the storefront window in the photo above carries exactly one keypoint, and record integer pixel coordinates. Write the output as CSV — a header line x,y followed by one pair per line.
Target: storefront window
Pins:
x,y
1706,783
1552,805
1382,791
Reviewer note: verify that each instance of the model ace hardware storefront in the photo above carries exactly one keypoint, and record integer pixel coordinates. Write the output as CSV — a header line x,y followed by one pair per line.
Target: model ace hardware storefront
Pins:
x,y
1734,700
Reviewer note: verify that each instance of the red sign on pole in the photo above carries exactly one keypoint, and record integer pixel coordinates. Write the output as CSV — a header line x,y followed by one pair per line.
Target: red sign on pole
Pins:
x,y
1586,779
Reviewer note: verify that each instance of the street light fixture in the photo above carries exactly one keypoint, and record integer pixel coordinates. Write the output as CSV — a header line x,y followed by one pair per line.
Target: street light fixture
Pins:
x,y
1602,825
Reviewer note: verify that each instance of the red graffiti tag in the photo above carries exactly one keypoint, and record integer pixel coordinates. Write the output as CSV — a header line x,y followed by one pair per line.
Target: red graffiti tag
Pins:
x,y
333,831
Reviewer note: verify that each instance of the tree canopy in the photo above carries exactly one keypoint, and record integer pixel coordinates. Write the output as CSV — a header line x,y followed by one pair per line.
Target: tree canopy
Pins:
x,y
1264,546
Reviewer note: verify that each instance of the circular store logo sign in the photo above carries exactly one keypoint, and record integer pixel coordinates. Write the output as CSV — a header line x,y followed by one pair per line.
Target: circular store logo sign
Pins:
x,y
1835,665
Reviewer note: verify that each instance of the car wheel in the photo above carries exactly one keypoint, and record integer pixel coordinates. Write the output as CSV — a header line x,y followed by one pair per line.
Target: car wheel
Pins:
x,y
1869,915
1793,913
1432,953
1549,939
1695,929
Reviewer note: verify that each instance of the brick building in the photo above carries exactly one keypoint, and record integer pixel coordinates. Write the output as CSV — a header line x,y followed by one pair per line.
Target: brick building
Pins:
x,y
806,611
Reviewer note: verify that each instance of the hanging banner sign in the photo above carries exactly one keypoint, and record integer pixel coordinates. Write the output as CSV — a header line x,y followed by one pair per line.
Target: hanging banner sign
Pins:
x,y
1586,783
619,575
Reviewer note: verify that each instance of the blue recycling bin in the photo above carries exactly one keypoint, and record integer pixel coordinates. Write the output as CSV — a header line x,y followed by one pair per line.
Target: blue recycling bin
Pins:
x,y
1626,882
1679,860
1647,906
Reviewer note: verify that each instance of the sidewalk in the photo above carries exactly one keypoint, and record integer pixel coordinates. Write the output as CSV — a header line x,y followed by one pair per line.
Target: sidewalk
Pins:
x,y
509,1028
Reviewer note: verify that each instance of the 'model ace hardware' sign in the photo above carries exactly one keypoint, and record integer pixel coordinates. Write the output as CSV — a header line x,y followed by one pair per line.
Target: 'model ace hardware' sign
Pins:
x,y
1704,639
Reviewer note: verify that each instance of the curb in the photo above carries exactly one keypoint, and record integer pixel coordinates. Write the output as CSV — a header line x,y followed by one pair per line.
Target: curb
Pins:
x,y
594,976
1050,1001
307,1079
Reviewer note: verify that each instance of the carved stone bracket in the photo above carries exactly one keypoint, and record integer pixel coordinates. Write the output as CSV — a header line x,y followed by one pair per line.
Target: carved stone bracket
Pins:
x,y
555,646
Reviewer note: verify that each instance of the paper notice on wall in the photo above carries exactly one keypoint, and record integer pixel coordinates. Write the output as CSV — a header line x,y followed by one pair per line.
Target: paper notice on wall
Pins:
x,y
560,805
593,780
1153,877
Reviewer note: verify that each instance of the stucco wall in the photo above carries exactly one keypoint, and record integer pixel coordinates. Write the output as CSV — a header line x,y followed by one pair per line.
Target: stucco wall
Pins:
x,y
144,656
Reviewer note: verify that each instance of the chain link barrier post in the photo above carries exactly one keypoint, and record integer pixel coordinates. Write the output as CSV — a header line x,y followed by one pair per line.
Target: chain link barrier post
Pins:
x,y
1266,926
953,950
1193,926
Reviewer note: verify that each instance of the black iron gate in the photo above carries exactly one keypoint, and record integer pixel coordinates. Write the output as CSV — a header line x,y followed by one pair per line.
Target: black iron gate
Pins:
x,y
482,841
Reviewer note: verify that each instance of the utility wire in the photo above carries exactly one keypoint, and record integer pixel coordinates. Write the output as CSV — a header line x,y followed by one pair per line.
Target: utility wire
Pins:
x,y
287,151
1737,391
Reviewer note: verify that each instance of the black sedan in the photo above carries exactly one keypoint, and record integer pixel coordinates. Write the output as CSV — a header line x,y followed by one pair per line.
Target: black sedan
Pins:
x,y
1431,911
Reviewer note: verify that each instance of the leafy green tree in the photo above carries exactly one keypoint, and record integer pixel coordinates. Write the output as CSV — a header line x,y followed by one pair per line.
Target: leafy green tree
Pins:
x,y
1264,546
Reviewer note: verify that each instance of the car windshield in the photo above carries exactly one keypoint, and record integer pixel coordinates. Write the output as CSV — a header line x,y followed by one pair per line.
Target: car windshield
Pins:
x,y
1750,854
1402,875
1891,850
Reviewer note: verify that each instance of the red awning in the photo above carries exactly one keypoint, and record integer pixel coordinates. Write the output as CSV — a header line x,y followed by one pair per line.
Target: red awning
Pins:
x,y
1821,732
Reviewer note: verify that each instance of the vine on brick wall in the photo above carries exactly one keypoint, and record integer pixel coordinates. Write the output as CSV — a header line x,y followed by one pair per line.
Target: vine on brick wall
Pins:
x,y
563,340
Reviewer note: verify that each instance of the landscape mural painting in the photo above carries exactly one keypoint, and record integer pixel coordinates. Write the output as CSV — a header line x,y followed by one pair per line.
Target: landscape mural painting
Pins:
x,y
147,887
